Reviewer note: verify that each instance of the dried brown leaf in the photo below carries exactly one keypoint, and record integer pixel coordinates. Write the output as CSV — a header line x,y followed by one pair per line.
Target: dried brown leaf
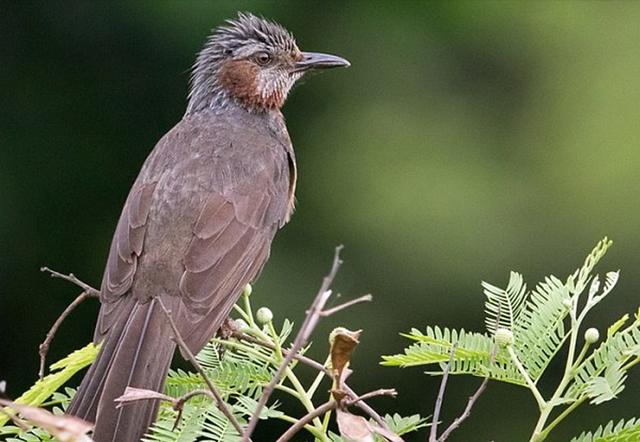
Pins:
x,y
343,343
132,394
65,428
353,428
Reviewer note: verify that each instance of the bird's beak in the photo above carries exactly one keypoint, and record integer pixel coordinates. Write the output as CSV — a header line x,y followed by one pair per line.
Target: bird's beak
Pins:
x,y
317,60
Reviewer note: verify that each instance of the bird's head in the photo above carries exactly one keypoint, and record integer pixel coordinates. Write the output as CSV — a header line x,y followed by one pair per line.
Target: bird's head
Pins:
x,y
253,62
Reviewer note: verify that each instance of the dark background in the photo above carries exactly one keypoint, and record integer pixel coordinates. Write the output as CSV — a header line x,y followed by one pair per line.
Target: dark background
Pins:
x,y
466,140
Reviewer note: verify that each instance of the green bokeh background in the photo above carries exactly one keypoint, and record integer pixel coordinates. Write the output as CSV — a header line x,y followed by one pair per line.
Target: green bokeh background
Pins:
x,y
467,139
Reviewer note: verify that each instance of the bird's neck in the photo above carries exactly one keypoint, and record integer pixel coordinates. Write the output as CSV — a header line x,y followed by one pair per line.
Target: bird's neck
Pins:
x,y
231,86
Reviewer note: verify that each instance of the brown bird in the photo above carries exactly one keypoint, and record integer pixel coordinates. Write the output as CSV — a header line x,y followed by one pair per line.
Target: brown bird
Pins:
x,y
199,220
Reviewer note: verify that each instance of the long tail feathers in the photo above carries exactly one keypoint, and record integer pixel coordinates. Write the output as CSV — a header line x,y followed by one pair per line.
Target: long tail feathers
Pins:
x,y
137,352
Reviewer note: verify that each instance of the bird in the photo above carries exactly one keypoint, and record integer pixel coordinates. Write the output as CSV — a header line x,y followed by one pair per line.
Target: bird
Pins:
x,y
199,220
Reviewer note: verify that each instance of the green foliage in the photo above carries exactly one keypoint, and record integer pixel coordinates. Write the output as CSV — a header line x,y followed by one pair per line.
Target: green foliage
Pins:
x,y
64,370
538,324
239,368
471,356
628,431
403,425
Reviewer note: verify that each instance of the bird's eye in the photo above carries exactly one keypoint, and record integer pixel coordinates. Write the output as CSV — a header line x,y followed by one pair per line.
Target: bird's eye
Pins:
x,y
262,58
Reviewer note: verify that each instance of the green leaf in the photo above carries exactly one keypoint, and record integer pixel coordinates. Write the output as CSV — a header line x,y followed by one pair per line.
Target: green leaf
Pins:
x,y
540,330
472,355
503,307
604,388
407,424
622,431
616,326
66,368
618,348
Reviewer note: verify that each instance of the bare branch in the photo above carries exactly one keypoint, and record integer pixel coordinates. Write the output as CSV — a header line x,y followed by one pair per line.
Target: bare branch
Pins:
x,y
470,403
74,280
43,349
220,403
433,433
330,405
319,367
304,359
467,411
331,311
88,292
310,321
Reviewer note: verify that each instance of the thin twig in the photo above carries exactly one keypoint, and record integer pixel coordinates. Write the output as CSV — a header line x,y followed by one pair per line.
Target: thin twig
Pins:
x,y
433,433
330,405
72,279
470,403
15,419
366,408
220,403
300,341
319,367
304,359
337,308
88,292
178,403
466,413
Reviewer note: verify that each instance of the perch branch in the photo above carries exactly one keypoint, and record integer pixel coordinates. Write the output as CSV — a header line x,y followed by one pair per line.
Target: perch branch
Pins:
x,y
220,403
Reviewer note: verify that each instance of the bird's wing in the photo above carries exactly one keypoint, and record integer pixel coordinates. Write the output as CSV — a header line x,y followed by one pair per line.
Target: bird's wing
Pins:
x,y
230,244
126,248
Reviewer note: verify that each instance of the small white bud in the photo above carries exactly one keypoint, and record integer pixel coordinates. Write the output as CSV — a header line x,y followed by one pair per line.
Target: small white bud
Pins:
x,y
504,337
247,290
264,315
591,335
567,303
241,324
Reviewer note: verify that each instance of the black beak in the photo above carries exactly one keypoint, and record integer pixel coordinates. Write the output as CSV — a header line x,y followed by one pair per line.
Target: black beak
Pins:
x,y
317,60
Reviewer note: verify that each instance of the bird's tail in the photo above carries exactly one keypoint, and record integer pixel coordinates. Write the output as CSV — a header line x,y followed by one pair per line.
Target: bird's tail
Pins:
x,y
136,352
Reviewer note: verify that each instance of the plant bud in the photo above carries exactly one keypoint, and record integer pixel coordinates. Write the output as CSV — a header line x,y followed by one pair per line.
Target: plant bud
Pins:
x,y
504,337
264,315
247,290
241,324
591,335
567,303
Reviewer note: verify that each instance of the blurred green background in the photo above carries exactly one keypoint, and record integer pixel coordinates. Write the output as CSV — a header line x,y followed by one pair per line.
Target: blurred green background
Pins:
x,y
467,139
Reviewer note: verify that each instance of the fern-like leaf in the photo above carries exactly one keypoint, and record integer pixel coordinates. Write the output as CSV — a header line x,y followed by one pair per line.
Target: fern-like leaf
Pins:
x,y
473,354
623,431
540,330
405,424
503,307
618,348
604,388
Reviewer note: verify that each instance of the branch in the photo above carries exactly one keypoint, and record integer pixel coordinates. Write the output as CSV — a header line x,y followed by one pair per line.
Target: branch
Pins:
x,y
466,413
330,405
433,433
321,368
222,406
72,279
313,315
88,292
470,403
331,311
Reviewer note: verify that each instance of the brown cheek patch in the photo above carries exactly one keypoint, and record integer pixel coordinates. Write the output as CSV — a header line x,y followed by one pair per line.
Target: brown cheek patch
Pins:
x,y
239,78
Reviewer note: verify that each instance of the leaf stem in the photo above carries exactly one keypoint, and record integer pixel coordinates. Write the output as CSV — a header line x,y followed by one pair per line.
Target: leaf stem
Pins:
x,y
536,393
